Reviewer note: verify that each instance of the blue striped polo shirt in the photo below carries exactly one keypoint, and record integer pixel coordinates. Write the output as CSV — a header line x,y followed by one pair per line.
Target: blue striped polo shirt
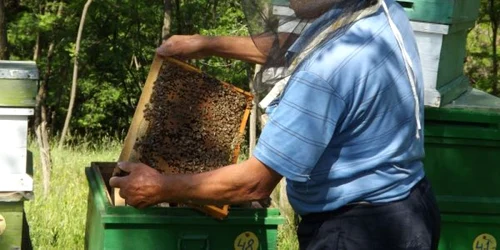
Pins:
x,y
343,130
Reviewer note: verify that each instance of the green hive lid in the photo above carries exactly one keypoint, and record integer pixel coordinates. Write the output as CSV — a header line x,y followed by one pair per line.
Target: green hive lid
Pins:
x,y
281,2
474,106
476,99
18,70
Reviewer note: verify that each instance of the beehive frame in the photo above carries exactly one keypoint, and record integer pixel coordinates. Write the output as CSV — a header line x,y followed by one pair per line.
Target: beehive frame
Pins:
x,y
139,126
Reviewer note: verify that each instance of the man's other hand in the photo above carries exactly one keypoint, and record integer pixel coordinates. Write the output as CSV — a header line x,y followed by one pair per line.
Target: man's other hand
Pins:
x,y
142,187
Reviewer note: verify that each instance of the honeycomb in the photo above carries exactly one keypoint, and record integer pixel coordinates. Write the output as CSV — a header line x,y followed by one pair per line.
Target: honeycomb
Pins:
x,y
193,122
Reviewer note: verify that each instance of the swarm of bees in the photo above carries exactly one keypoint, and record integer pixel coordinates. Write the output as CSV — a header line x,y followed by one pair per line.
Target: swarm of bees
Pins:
x,y
193,122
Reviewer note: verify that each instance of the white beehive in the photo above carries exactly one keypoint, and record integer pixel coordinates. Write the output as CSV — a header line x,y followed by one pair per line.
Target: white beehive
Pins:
x,y
13,147
18,80
13,150
442,54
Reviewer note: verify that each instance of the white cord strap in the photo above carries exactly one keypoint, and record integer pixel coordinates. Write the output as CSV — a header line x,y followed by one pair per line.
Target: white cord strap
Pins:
x,y
408,65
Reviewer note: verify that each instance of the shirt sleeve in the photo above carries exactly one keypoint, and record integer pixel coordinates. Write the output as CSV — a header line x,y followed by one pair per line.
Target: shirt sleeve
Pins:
x,y
300,127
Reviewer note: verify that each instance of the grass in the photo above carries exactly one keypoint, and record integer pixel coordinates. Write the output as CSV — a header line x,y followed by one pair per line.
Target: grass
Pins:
x,y
58,220
287,237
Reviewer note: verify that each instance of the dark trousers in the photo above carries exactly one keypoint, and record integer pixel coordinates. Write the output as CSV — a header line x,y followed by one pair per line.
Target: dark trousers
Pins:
x,y
412,223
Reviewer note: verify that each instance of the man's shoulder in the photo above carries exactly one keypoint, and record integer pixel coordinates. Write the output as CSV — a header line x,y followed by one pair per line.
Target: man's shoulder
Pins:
x,y
361,51
362,46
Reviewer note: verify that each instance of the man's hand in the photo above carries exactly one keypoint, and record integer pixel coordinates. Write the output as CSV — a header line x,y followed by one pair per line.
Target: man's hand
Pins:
x,y
184,46
250,180
142,187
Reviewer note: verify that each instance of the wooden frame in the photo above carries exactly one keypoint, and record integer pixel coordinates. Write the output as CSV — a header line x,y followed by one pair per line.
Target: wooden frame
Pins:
x,y
139,126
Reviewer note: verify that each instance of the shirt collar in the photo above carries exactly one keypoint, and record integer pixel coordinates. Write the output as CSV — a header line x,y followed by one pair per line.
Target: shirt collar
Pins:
x,y
312,29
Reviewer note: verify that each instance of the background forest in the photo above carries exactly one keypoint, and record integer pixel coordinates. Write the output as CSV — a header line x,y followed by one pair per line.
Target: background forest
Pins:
x,y
118,43
117,46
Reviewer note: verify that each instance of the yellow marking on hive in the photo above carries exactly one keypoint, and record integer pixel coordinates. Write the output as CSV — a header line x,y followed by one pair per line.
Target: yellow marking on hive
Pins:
x,y
246,241
484,242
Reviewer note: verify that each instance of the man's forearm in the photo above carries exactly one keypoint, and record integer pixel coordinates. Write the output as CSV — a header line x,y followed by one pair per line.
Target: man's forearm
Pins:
x,y
233,184
250,49
241,48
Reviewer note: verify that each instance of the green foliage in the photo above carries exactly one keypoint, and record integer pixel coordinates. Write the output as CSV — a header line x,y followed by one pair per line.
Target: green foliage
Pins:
x,y
109,85
46,22
479,64
20,35
118,45
223,18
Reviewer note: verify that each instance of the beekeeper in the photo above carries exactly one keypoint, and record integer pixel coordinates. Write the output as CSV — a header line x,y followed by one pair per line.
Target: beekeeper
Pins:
x,y
344,129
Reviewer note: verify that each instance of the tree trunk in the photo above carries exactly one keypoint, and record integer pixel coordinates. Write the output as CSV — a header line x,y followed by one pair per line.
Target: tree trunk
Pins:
x,y
214,11
4,51
180,24
75,74
167,18
45,157
41,113
42,134
37,49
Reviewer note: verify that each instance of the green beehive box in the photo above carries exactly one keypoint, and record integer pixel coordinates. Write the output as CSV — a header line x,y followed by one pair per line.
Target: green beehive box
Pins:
x,y
441,11
19,83
462,154
441,28
452,56
11,221
121,228
466,232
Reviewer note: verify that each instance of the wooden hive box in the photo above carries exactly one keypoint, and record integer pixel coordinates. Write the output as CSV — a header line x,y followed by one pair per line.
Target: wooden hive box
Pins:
x,y
186,122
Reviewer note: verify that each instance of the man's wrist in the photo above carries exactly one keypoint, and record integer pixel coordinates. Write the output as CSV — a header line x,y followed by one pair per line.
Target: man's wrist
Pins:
x,y
208,44
166,189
